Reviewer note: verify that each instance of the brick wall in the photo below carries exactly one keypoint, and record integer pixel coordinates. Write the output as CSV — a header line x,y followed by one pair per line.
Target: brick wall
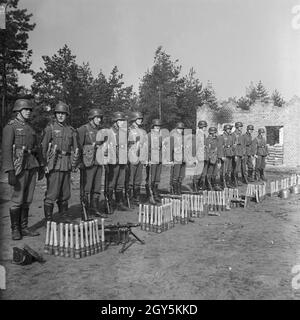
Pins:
x,y
261,115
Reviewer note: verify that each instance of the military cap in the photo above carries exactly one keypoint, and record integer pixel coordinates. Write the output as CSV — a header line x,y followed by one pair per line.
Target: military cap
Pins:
x,y
21,104
212,130
180,125
250,127
156,122
202,124
119,115
136,115
238,124
227,126
62,107
95,113
261,130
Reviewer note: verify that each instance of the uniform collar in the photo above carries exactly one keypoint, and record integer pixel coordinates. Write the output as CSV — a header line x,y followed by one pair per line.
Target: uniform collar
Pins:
x,y
21,120
60,124
92,124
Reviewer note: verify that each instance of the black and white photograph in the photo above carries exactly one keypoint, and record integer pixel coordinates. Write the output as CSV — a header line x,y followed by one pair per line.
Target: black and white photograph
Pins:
x,y
149,151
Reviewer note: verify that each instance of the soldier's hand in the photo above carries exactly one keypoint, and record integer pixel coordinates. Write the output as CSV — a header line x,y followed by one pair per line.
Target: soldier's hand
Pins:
x,y
12,179
41,173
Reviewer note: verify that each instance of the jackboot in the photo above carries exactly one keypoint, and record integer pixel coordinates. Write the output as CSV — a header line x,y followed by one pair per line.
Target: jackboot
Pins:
x,y
136,199
257,175
48,211
111,201
244,178
209,183
238,180
24,224
228,181
155,192
62,206
119,201
15,215
250,175
234,181
93,207
262,175
222,182
179,184
195,186
215,185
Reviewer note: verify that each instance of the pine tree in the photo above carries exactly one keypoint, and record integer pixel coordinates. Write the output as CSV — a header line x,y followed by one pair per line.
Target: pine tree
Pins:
x,y
251,94
277,99
209,96
262,94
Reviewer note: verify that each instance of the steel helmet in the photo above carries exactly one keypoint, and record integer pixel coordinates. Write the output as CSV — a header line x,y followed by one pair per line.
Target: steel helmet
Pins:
x,y
212,130
227,126
261,130
21,104
202,124
118,116
62,107
95,113
180,125
136,115
250,127
156,122
238,124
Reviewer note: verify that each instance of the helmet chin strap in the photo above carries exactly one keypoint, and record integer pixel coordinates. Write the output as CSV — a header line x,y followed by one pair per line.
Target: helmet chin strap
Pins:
x,y
20,116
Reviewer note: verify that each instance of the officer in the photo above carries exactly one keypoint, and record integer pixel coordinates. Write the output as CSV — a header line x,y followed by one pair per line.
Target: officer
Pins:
x,y
155,160
117,139
260,150
136,140
199,178
239,149
249,151
58,141
23,162
213,153
91,170
177,154
226,142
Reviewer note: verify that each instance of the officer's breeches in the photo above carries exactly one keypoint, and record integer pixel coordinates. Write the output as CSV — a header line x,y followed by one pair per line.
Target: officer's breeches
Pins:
x,y
58,187
135,177
116,176
261,162
92,178
22,192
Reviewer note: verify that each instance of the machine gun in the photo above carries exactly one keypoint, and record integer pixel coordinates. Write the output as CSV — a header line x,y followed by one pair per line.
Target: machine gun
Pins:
x,y
120,233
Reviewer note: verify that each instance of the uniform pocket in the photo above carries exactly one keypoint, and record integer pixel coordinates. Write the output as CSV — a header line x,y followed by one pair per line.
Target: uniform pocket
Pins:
x,y
19,137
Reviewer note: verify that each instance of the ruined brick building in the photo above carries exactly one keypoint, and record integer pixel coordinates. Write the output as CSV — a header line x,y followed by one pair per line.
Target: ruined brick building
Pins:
x,y
282,126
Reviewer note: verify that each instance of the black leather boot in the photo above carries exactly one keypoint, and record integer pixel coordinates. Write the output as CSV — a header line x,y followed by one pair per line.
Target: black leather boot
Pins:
x,y
15,215
233,181
48,211
209,184
222,182
119,201
155,192
215,185
262,175
228,181
238,180
257,175
179,184
250,175
136,195
62,206
24,224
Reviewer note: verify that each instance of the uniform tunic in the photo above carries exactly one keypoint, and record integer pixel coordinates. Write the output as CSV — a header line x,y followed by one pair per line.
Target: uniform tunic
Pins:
x,y
239,150
212,155
226,145
201,166
260,149
248,150
177,156
91,175
17,135
64,137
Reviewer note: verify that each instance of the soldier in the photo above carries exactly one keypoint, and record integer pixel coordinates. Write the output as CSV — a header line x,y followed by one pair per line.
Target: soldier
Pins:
x,y
239,149
58,141
22,161
226,142
249,151
155,160
116,170
199,178
260,150
136,140
91,170
177,154
213,153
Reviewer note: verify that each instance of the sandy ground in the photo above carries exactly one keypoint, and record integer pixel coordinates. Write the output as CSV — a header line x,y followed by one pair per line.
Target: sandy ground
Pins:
x,y
242,254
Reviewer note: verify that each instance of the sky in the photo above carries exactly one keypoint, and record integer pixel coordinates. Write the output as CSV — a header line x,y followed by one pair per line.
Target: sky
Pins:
x,y
227,42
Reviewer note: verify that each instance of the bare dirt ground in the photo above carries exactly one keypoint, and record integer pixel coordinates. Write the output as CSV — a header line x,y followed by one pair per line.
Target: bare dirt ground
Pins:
x,y
243,254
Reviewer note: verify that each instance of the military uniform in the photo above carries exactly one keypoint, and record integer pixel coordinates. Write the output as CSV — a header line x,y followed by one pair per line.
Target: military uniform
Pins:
x,y
226,145
22,160
136,142
248,140
239,149
90,171
153,171
199,178
116,166
58,141
260,149
177,157
213,153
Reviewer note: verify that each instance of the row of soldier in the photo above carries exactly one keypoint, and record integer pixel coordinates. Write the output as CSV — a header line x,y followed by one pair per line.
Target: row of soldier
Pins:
x,y
62,149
